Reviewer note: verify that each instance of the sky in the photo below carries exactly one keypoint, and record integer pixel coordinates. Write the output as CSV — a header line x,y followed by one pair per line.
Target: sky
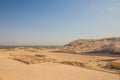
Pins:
x,y
57,22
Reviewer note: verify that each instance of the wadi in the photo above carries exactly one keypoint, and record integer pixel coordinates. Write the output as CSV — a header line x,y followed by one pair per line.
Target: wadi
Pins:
x,y
83,59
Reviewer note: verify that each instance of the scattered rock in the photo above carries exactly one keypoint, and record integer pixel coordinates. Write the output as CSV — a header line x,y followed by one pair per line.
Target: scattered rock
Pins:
x,y
74,63
32,59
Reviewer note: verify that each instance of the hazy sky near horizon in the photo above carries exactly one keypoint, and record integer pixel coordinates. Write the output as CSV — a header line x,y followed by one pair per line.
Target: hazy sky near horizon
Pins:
x,y
57,22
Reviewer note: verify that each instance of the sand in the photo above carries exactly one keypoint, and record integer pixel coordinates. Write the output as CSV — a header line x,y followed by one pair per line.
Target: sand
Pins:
x,y
14,70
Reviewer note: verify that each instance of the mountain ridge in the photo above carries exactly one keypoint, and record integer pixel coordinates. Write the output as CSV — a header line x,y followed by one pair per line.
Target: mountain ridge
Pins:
x,y
107,45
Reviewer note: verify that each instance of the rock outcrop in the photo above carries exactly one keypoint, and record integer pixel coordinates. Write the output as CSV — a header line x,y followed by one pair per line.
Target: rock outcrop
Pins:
x,y
106,45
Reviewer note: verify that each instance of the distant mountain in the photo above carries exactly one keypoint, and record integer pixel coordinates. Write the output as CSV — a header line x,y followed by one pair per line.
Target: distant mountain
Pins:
x,y
106,45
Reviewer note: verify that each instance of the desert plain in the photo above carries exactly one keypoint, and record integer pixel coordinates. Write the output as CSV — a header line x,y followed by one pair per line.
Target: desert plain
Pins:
x,y
51,64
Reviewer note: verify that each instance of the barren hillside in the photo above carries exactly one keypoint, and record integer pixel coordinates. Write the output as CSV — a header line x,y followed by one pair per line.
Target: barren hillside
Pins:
x,y
107,45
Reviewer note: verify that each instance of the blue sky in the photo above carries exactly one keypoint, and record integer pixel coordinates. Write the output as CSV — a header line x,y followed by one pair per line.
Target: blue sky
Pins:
x,y
57,22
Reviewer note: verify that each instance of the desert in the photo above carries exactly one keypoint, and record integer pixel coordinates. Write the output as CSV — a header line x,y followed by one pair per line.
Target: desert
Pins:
x,y
59,39
25,63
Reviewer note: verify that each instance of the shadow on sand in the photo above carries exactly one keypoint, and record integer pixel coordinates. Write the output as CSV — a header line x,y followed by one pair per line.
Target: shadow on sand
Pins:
x,y
92,53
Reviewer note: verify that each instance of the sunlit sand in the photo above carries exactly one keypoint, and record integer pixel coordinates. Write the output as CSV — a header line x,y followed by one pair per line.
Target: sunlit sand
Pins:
x,y
11,69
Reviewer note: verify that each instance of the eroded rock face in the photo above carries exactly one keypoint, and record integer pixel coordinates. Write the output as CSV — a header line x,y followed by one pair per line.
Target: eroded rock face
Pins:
x,y
107,45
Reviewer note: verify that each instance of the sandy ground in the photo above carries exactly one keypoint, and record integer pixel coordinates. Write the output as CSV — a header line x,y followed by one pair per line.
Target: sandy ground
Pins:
x,y
14,70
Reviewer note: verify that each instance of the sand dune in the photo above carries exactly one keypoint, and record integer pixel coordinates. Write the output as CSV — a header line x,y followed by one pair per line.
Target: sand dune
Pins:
x,y
13,70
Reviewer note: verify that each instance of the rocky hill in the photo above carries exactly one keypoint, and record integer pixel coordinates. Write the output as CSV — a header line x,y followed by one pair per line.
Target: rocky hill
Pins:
x,y
107,45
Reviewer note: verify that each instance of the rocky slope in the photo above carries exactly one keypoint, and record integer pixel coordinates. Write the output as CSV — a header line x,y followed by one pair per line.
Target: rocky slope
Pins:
x,y
107,45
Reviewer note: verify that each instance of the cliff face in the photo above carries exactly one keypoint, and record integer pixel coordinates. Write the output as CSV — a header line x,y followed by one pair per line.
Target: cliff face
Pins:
x,y
107,45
